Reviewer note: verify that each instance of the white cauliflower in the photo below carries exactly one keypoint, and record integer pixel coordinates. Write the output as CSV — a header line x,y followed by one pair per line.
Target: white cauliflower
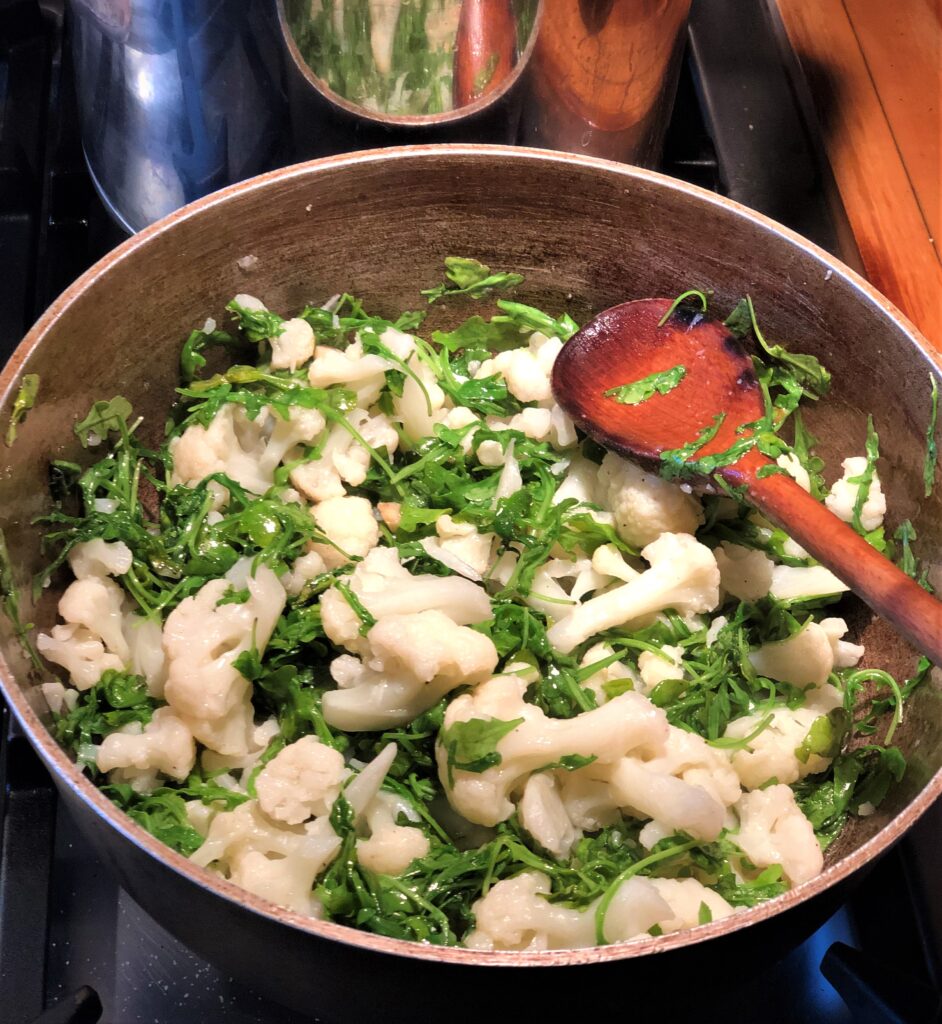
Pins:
x,y
616,672
745,573
386,587
644,505
772,830
683,576
419,408
846,654
95,604
685,896
248,451
843,495
349,525
281,862
100,558
527,371
390,848
516,915
305,567
164,745
363,374
682,782
790,462
654,669
145,644
413,661
80,652
343,459
461,547
543,814
202,639
607,733
294,346
301,781
790,583
771,755
804,658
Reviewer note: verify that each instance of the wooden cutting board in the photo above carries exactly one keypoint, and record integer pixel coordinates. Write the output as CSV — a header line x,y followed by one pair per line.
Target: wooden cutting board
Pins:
x,y
874,70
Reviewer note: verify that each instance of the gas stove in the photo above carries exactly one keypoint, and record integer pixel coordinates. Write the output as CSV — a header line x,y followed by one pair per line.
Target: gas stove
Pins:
x,y
73,945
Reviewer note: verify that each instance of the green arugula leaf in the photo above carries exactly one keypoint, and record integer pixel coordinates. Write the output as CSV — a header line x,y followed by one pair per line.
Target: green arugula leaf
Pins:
x,y
826,735
932,449
654,384
256,324
24,401
103,419
472,745
692,293
465,276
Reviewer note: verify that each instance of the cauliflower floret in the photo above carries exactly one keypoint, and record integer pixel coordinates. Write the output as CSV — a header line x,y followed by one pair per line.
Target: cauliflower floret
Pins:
x,y
772,830
607,733
846,654
527,371
100,558
685,896
164,745
644,505
94,603
579,482
462,542
419,408
280,862
543,814
588,801
202,639
363,374
682,782
804,658
304,568
294,346
301,781
385,587
771,755
615,672
744,572
145,642
80,652
654,669
414,660
390,848
515,914
683,576
349,525
793,582
247,450
343,459
790,462
843,494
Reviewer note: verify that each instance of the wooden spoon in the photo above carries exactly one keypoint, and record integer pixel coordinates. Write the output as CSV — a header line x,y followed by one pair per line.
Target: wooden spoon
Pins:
x,y
627,343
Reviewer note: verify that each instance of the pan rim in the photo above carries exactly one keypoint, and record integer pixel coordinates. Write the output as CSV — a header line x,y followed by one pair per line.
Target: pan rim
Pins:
x,y
65,771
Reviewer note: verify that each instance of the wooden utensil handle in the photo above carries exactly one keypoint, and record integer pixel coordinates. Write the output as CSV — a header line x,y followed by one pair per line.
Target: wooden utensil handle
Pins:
x,y
886,589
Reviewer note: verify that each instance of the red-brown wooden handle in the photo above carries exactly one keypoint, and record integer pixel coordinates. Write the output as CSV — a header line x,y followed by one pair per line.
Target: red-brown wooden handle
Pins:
x,y
885,588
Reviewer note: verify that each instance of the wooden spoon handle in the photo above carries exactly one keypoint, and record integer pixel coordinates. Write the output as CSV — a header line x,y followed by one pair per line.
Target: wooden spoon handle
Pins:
x,y
886,589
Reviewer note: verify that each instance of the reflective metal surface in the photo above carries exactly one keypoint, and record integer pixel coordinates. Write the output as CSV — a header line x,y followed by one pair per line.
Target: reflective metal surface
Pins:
x,y
176,98
180,97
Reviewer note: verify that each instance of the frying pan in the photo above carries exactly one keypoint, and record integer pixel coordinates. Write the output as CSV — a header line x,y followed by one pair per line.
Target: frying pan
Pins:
x,y
586,234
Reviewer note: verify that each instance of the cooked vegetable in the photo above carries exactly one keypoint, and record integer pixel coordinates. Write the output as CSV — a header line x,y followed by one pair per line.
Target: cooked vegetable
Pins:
x,y
385,649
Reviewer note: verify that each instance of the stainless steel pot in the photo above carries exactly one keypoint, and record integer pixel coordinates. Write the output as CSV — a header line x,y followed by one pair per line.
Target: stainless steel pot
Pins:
x,y
586,234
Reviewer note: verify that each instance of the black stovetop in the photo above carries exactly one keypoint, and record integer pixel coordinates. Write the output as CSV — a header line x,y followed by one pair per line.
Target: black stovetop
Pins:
x,y
73,945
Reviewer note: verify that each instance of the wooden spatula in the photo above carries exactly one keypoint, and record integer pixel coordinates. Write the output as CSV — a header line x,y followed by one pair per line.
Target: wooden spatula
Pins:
x,y
631,342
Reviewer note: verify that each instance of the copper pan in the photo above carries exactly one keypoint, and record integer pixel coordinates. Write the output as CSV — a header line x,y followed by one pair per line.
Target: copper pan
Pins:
x,y
586,234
